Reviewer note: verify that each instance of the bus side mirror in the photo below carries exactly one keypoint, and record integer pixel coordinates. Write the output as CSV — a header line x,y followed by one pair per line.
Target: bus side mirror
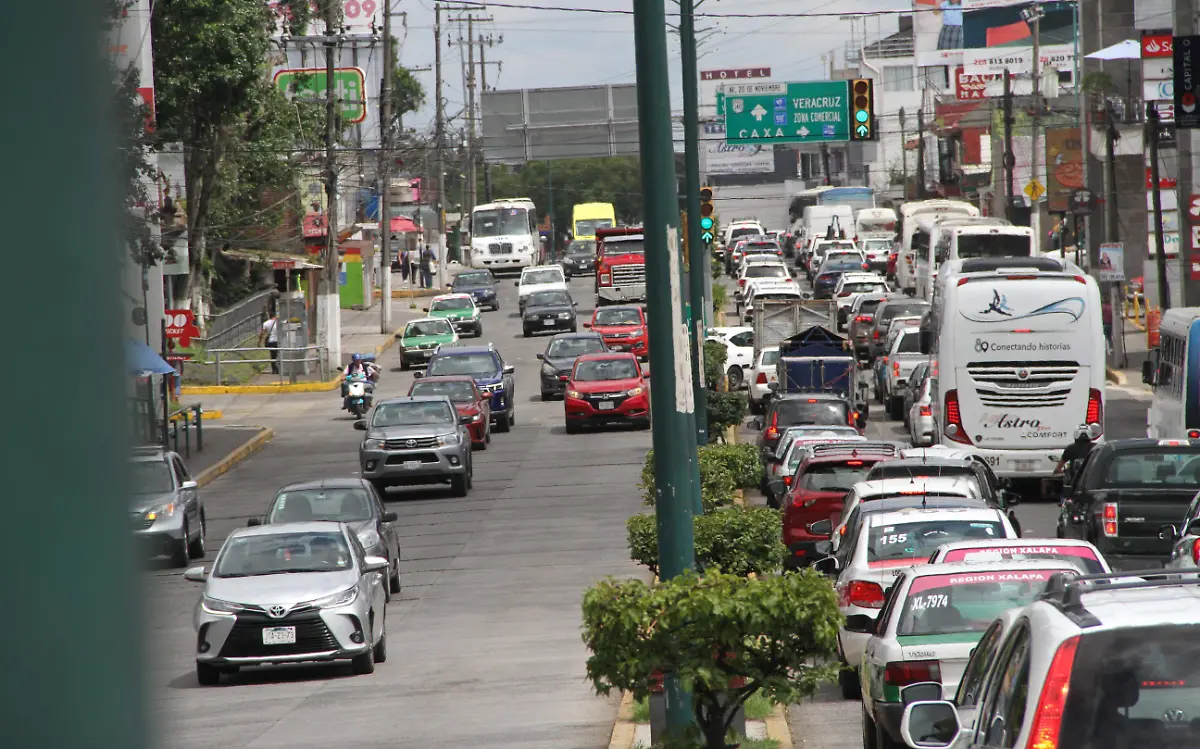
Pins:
x,y
1148,372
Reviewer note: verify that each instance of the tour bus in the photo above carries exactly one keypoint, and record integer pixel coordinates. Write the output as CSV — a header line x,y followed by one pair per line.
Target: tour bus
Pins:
x,y
586,218
1173,370
976,236
905,249
504,235
804,199
1018,360
857,198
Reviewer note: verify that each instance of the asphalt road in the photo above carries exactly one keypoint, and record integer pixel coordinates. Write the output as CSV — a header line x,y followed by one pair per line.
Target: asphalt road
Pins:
x,y
484,641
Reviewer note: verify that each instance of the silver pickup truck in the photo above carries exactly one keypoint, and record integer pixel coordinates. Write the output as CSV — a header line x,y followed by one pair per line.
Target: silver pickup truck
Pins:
x,y
902,357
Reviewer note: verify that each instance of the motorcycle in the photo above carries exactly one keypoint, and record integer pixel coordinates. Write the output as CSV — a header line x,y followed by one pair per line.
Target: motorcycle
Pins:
x,y
358,390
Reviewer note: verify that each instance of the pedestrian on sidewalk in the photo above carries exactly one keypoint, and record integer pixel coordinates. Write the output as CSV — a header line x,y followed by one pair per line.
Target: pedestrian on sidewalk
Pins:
x,y
270,333
404,265
427,259
412,264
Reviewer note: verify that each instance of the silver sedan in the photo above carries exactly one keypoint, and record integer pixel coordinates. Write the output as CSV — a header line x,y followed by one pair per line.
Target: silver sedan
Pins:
x,y
289,593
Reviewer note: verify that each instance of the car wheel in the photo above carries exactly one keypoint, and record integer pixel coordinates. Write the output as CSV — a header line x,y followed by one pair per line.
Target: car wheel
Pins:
x,y
479,331
380,487
572,428
207,674
380,649
512,418
894,406
546,396
404,366
772,501
644,423
179,554
196,547
869,731
458,485
480,445
735,377
849,684
503,424
394,580
574,328
884,740
365,663
525,332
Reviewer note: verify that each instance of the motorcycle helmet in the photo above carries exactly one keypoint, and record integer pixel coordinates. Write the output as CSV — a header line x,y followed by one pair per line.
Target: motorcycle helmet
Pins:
x,y
356,357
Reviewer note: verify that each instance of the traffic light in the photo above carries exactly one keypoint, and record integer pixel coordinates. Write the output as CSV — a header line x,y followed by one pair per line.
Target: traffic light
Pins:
x,y
862,115
708,222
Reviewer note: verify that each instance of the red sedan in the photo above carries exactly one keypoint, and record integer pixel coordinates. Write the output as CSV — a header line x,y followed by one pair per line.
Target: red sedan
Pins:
x,y
467,398
604,389
622,328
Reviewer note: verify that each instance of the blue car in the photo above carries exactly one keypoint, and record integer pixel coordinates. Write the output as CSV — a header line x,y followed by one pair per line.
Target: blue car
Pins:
x,y
480,284
483,364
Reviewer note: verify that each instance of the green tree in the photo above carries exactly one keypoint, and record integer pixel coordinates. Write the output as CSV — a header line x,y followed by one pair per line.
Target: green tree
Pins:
x,y
724,636
615,180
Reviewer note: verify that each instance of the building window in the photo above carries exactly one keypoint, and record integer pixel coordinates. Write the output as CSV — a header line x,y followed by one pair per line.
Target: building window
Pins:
x,y
935,77
837,161
898,78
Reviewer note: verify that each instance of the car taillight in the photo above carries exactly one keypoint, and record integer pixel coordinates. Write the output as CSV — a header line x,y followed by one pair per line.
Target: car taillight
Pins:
x,y
866,267
1047,718
903,673
1095,408
864,594
926,411
741,282
787,480
896,368
876,336
843,294
1109,514
863,318
773,429
954,424
885,361
761,379
1194,434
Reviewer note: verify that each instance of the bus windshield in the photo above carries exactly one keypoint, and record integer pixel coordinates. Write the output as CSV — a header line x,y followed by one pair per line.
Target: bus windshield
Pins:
x,y
498,222
993,245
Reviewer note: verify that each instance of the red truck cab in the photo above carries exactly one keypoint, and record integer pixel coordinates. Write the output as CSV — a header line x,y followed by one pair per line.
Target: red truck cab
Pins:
x,y
818,490
620,265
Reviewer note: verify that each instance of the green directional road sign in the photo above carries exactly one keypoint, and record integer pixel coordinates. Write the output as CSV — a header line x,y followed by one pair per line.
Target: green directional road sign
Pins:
x,y
813,112
308,84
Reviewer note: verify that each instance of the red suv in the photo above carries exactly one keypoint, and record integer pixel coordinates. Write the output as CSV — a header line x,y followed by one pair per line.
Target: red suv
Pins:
x,y
623,329
818,489
606,388
468,400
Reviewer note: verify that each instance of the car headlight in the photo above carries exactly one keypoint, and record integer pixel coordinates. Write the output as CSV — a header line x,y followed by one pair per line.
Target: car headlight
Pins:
x,y
372,444
447,439
217,606
477,417
637,332
549,371
636,391
344,598
162,511
564,315
369,538
575,394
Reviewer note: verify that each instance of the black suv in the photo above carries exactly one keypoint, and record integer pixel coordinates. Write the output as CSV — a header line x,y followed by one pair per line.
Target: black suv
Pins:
x,y
1125,493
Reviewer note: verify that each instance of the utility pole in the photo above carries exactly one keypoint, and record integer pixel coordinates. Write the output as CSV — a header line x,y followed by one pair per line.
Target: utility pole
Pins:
x,y
439,135
1160,258
550,247
696,249
921,153
1110,177
329,322
483,87
385,177
676,469
904,152
1009,159
1035,16
825,164
471,180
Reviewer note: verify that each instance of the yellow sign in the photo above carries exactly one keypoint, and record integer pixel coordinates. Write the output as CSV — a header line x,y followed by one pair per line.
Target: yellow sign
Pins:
x,y
1034,189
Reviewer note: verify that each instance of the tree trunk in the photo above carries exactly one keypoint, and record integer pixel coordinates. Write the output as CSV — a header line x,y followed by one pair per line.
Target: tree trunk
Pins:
x,y
200,162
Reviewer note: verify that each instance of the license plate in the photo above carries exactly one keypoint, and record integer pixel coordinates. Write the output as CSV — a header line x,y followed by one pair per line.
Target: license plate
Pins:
x,y
547,322
619,347
279,635
412,464
992,460
1024,465
605,405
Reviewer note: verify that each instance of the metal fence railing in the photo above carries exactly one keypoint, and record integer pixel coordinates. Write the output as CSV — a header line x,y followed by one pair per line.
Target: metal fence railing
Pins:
x,y
293,362
238,323
148,426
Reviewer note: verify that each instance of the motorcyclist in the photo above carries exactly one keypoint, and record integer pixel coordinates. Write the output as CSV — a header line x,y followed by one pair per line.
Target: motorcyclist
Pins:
x,y
1077,451
362,366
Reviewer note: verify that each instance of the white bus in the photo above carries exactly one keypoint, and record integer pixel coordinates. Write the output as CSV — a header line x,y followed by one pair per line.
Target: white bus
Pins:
x,y
1173,370
906,250
1017,350
964,238
504,235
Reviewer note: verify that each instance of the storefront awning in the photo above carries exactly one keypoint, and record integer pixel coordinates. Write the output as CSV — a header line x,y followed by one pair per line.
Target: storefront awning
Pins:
x,y
403,225
142,361
278,260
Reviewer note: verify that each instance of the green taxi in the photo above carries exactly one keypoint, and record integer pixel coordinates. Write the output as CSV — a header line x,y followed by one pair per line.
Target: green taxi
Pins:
x,y
422,337
460,310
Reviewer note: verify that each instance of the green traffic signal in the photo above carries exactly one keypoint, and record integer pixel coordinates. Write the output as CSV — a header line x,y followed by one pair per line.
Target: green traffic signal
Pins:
x,y
862,115
706,222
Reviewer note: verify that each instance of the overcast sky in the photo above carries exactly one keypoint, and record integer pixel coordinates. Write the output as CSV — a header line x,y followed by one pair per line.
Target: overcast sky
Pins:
x,y
550,48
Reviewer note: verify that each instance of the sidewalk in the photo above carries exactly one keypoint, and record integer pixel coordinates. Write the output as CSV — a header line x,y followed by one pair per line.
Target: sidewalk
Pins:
x,y
220,442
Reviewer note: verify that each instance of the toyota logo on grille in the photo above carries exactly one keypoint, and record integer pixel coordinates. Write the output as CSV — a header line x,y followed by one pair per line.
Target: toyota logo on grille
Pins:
x,y
1022,374
411,443
277,612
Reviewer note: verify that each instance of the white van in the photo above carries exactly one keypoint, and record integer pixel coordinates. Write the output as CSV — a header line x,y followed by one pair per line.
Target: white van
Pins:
x,y
1019,346
906,277
875,222
940,233
818,219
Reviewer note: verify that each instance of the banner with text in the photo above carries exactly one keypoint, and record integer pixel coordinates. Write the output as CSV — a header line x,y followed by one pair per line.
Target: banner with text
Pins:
x,y
995,35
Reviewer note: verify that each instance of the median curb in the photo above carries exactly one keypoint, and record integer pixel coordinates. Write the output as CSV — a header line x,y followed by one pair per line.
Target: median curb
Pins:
x,y
624,729
212,415
215,471
407,294
778,729
1116,376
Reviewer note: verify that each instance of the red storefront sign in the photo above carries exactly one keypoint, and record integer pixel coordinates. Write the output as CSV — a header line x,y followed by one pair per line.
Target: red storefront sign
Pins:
x,y
971,86
1158,45
1164,183
181,325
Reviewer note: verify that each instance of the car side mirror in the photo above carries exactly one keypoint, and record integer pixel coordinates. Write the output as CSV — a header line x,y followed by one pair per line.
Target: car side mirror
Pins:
x,y
922,691
1193,528
1148,372
822,528
930,725
541,357
360,425
509,369
773,386
587,325
189,484
1168,532
827,565
253,523
464,420
860,623
756,425
418,374
517,284
374,564
777,487
574,304
195,574
1011,499
390,517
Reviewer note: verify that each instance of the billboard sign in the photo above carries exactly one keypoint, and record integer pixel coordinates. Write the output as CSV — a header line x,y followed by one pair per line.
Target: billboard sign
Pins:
x,y
726,158
1064,166
1112,262
994,36
1187,81
312,194
1157,45
937,32
972,86
522,125
308,84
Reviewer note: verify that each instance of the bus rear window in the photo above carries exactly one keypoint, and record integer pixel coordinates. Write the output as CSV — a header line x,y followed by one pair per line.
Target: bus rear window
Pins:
x,y
992,245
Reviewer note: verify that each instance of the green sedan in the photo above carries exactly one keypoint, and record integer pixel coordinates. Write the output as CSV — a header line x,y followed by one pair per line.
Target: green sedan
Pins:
x,y
460,310
422,337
